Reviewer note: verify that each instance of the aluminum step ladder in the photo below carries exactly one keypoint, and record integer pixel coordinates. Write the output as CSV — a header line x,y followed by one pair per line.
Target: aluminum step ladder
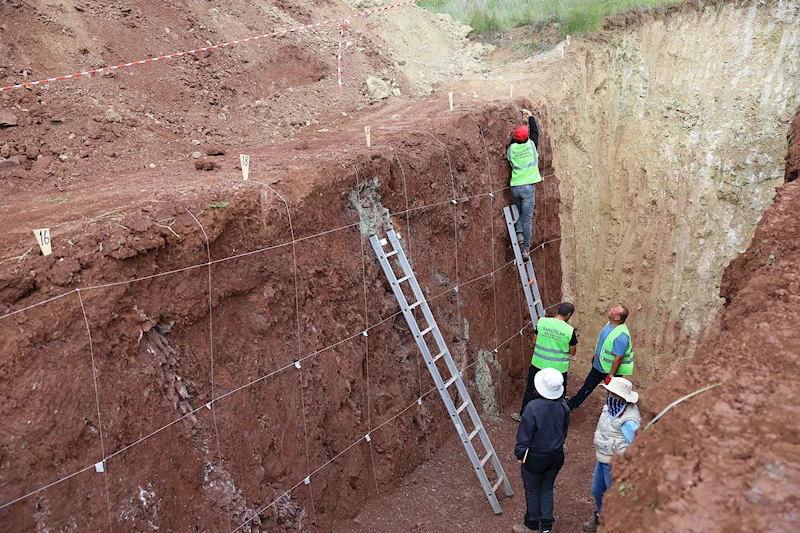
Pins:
x,y
526,273
408,280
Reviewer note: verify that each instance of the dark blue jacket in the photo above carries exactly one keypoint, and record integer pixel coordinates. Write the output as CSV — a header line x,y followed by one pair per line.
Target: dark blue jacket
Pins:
x,y
543,428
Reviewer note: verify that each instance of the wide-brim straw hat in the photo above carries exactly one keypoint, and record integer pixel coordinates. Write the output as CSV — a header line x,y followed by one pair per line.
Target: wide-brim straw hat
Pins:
x,y
549,383
623,388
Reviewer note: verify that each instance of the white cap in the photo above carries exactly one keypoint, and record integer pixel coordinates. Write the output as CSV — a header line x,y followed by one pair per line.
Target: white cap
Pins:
x,y
549,383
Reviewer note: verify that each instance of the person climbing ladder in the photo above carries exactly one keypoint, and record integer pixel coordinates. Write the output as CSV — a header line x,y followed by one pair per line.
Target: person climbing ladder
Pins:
x,y
524,160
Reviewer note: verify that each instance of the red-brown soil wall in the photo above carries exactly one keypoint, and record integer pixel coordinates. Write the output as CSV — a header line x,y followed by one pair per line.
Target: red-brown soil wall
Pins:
x,y
307,291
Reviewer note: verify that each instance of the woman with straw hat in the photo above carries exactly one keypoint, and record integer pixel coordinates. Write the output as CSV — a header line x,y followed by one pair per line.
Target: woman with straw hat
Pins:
x,y
615,430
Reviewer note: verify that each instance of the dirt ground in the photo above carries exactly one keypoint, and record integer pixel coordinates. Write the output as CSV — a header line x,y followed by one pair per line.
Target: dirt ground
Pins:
x,y
137,173
444,496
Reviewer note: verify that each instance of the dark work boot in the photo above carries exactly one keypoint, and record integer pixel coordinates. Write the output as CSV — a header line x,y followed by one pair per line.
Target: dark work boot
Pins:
x,y
592,524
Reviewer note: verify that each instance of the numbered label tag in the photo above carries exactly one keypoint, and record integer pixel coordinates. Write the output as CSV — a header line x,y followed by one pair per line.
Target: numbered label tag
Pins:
x,y
245,160
43,238
366,133
451,101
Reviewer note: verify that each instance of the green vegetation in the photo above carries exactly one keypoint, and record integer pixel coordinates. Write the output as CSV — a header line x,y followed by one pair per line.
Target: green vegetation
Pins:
x,y
218,205
574,17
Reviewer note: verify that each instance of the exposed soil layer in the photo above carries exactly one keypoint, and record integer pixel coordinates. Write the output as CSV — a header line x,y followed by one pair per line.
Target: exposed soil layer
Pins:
x,y
729,458
271,423
650,127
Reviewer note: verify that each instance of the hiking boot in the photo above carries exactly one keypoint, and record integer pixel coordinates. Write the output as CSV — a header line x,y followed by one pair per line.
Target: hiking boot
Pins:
x,y
526,255
517,417
522,528
520,238
591,525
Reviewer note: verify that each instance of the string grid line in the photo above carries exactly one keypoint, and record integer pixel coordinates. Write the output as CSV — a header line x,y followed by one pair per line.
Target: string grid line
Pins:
x,y
294,243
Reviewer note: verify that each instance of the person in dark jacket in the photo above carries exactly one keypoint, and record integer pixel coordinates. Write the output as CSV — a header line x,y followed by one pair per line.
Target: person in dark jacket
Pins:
x,y
540,449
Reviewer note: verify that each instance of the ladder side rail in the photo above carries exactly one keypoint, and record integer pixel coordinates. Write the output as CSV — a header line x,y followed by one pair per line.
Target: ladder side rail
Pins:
x,y
425,308
511,214
487,445
462,389
536,293
415,330
414,326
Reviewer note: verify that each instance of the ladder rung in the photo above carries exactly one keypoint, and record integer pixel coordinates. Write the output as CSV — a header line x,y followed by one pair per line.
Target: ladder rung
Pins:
x,y
390,254
441,354
486,458
426,331
498,483
404,278
474,432
450,381
414,305
463,406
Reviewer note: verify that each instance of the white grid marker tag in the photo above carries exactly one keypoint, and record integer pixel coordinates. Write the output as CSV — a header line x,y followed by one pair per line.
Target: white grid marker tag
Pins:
x,y
297,364
99,468
367,437
43,240
245,161
307,480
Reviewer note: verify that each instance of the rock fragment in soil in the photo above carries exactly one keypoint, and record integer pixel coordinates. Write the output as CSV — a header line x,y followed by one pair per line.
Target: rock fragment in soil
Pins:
x,y
377,88
7,119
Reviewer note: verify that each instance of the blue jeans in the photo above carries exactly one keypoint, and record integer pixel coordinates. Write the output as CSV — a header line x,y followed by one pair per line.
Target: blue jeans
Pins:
x,y
601,482
539,488
525,199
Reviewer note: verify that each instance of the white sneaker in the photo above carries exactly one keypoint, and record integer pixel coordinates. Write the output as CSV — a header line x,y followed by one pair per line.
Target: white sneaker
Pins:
x,y
526,255
520,238
516,416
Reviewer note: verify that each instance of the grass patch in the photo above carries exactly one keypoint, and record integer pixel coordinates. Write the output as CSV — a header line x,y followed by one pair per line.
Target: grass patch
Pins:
x,y
574,17
218,205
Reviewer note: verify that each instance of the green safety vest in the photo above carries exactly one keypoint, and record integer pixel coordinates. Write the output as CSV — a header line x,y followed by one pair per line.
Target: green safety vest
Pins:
x,y
607,354
552,344
524,163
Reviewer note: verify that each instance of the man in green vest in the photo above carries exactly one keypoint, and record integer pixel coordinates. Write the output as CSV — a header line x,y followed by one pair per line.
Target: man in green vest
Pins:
x,y
555,341
524,159
613,355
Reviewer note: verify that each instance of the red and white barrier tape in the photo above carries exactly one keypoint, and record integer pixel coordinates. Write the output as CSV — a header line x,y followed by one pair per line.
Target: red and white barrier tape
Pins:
x,y
339,58
206,48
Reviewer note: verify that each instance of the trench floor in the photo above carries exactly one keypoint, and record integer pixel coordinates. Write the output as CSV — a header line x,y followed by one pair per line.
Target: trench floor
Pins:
x,y
443,494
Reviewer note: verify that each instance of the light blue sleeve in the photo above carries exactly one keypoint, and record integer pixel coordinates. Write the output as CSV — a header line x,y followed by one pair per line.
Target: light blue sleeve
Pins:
x,y
629,428
621,344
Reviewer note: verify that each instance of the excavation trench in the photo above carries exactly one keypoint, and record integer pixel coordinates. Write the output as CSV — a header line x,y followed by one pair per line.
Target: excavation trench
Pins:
x,y
202,395
300,346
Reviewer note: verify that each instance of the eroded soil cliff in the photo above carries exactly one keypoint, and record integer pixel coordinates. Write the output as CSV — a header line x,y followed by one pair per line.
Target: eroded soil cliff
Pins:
x,y
729,459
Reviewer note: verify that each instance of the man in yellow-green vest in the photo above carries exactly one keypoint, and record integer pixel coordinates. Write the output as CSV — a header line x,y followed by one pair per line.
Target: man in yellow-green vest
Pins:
x,y
524,159
613,355
555,342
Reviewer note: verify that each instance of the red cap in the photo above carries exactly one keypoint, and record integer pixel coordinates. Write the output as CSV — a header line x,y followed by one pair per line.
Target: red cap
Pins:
x,y
521,134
